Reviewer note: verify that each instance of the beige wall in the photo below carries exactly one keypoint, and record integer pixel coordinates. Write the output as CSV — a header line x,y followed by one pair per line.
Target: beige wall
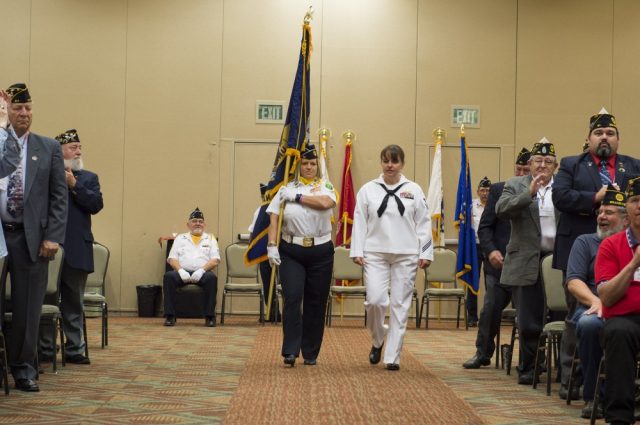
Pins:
x,y
163,95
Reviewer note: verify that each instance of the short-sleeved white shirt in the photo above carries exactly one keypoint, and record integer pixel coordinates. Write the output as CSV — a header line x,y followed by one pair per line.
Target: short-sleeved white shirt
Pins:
x,y
300,220
191,256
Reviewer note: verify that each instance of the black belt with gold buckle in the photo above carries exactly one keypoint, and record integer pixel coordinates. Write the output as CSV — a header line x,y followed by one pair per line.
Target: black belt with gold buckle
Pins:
x,y
12,227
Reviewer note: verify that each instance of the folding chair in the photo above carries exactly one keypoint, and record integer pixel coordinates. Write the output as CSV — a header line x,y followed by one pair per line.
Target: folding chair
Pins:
x,y
344,269
236,269
95,293
4,364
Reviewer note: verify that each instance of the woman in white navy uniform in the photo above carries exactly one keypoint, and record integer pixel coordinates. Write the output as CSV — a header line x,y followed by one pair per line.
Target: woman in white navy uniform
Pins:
x,y
305,257
391,238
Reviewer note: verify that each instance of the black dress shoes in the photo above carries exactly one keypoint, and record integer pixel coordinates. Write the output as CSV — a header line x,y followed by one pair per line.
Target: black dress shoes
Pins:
x,y
475,362
564,392
527,378
170,321
374,354
392,366
290,359
210,322
28,385
310,362
77,359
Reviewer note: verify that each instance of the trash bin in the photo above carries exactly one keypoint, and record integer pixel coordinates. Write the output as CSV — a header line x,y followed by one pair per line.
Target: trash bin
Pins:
x,y
148,300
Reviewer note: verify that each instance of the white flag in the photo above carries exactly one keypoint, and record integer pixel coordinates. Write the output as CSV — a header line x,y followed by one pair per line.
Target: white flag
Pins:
x,y
434,197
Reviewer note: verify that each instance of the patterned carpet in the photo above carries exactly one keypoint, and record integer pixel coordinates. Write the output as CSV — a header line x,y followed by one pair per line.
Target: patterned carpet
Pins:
x,y
191,374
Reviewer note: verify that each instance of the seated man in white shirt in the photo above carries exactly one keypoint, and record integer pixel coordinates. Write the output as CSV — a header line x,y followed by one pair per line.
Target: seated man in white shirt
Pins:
x,y
193,257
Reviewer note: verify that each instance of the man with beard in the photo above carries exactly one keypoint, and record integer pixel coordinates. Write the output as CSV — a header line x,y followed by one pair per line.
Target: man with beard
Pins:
x,y
587,318
527,202
578,190
85,199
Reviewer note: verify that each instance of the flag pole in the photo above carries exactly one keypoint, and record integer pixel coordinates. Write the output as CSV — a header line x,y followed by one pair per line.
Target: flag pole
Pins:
x,y
285,181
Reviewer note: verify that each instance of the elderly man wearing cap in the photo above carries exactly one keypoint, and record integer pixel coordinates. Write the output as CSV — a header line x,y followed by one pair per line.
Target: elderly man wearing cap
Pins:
x,y
477,207
612,218
33,209
493,234
617,276
578,190
527,202
193,257
85,200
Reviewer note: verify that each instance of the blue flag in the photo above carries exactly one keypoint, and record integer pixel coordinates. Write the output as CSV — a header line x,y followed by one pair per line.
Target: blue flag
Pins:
x,y
292,141
467,267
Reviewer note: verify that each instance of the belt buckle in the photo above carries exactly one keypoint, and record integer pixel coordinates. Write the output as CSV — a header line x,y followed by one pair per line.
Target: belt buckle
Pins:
x,y
307,242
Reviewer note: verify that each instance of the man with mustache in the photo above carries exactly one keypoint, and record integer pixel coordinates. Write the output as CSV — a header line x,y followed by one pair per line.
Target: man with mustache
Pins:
x,y
578,190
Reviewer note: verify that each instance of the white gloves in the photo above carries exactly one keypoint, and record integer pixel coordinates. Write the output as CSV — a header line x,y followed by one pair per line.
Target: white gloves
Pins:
x,y
274,256
197,275
287,194
184,275
4,114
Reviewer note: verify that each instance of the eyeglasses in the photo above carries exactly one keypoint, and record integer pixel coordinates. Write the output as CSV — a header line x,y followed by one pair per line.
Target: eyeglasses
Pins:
x,y
196,221
546,161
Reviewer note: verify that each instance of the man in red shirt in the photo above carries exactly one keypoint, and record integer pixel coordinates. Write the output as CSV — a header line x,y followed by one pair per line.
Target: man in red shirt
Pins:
x,y
617,273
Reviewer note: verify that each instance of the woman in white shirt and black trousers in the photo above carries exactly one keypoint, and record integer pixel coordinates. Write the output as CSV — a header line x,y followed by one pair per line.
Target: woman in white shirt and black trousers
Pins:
x,y
391,238
305,257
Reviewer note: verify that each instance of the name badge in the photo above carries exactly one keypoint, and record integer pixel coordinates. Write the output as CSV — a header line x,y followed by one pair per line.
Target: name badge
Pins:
x,y
546,212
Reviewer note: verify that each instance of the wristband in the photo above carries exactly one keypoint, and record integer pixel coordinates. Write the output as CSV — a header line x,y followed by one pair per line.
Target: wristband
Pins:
x,y
298,198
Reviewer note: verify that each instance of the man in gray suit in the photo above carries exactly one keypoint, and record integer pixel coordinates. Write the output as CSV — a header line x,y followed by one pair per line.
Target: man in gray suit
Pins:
x,y
526,201
33,209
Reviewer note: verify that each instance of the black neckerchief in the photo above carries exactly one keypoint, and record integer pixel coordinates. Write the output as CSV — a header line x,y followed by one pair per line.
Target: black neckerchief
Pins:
x,y
383,205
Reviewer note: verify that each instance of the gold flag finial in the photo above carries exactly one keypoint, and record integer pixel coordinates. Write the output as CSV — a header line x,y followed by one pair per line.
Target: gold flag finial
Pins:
x,y
324,133
461,130
439,134
349,136
309,15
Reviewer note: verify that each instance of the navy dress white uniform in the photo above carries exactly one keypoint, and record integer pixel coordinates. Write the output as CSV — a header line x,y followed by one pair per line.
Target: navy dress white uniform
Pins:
x,y
193,256
391,244
306,260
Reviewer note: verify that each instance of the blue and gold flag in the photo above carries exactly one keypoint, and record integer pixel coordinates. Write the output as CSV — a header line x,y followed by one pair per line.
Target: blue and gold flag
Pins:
x,y
467,267
292,141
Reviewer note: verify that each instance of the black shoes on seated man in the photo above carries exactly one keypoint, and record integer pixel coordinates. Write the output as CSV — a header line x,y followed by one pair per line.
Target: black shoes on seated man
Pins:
x,y
476,361
28,385
374,354
209,321
392,366
77,359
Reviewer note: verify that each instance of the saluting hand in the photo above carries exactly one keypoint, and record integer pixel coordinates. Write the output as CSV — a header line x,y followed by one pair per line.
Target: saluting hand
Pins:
x,y
4,104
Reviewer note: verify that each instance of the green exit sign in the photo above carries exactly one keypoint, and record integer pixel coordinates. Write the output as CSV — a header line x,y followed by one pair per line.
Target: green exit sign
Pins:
x,y
469,115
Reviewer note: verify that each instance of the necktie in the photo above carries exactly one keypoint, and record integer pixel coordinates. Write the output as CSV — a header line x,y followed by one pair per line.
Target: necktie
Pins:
x,y
604,173
15,193
383,205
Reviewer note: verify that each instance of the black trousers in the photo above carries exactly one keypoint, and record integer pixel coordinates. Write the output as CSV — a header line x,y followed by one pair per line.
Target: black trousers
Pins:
x,y
529,303
569,338
208,282
496,299
621,345
305,273
28,287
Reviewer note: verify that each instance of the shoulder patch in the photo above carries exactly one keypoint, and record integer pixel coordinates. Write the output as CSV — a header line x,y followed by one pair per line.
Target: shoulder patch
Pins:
x,y
328,186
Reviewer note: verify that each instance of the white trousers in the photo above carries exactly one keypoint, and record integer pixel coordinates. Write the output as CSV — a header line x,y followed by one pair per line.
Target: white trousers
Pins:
x,y
382,272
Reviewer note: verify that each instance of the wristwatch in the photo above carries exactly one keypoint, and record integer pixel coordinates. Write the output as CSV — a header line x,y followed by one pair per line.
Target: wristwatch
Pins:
x,y
271,244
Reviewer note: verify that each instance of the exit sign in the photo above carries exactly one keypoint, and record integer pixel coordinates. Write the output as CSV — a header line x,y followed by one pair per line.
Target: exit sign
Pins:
x,y
469,115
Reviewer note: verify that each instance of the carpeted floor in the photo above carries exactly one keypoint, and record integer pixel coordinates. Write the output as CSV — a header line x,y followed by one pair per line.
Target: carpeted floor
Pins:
x,y
233,374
